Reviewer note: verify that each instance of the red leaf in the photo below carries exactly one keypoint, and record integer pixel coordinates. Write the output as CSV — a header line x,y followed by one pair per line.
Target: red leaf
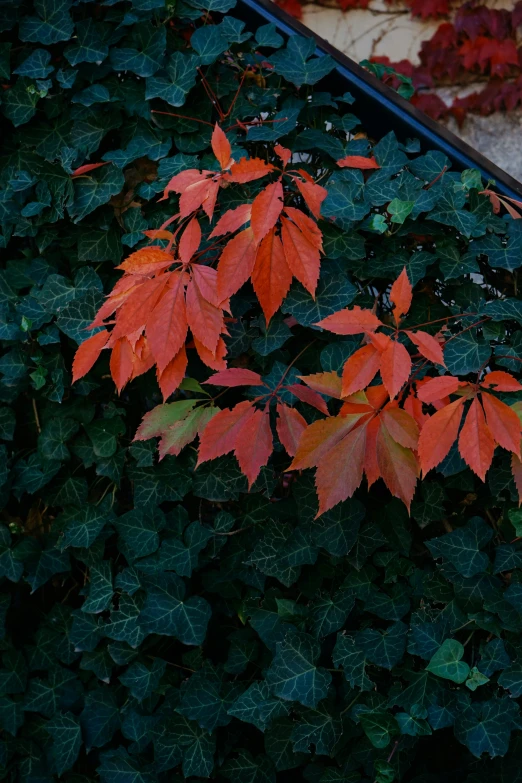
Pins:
x,y
221,147
439,434
401,294
193,196
398,466
206,279
307,226
180,182
88,167
428,346
223,431
313,194
290,426
190,241
320,437
354,321
358,162
360,369
236,376
205,319
302,258
503,423
476,443
266,208
173,374
371,465
309,396
254,445
147,260
271,276
121,363
167,326
248,170
136,310
395,367
87,353
283,153
438,388
216,361
327,383
340,471
501,381
236,263
516,469
232,220
401,426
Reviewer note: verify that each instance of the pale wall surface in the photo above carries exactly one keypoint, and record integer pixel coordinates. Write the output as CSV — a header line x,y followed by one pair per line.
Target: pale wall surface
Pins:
x,y
380,31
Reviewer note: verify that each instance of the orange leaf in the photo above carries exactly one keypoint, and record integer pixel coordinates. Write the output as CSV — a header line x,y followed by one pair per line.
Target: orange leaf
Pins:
x,y
398,466
205,319
216,361
88,167
501,381
313,194
221,147
121,363
290,426
158,233
254,445
516,469
401,294
123,289
180,182
340,471
271,276
503,423
476,443
147,260
206,279
428,346
309,396
371,465
236,376
283,153
167,327
354,321
87,353
223,431
232,220
173,374
193,196
190,241
209,202
248,170
236,263
402,428
395,367
307,226
358,162
301,256
360,369
439,434
266,208
142,359
327,383
320,437
438,388
136,310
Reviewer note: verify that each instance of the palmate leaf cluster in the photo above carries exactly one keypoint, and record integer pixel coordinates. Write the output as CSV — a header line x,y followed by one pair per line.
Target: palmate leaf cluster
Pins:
x,y
162,622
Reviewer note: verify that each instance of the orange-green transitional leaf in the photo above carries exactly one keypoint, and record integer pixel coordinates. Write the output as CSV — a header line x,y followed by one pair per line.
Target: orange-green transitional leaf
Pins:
x,y
328,383
516,469
401,294
301,256
476,443
190,240
397,465
401,426
313,195
360,369
183,432
167,326
135,311
501,381
341,469
308,227
354,321
254,444
439,434
428,346
358,162
283,154
236,263
221,147
223,431
371,465
236,376
157,421
320,437
232,220
247,170
87,353
370,400
171,377
438,388
121,363
266,208
395,367
146,261
216,361
271,275
503,423
290,426
309,396
205,319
